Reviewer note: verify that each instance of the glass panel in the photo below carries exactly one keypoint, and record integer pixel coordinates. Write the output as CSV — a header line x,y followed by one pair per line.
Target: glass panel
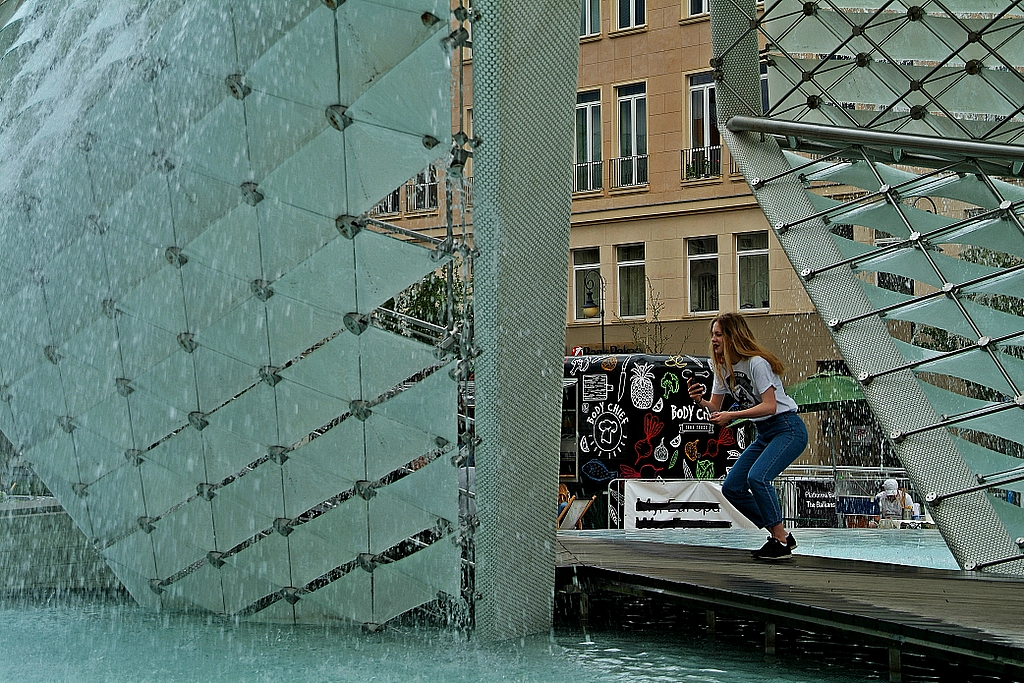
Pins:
x,y
713,137
632,291
640,15
324,467
949,403
752,240
625,128
585,257
581,135
630,252
753,280
697,118
704,284
641,126
977,366
595,135
300,410
702,245
624,13
633,89
428,406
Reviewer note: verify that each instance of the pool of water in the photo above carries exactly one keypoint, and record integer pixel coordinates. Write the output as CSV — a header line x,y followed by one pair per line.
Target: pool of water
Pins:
x,y
911,547
88,641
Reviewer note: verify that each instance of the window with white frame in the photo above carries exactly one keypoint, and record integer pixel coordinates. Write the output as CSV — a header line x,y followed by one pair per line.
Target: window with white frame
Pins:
x,y
631,165
752,269
587,174
422,194
704,158
891,281
632,280
702,264
590,18
632,13
586,278
699,7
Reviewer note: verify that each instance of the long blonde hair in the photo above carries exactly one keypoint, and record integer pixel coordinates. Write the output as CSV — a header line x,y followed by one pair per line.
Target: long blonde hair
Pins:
x,y
738,343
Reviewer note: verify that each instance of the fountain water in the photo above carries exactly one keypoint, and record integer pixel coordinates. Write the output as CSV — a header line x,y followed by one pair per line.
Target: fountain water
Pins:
x,y
191,361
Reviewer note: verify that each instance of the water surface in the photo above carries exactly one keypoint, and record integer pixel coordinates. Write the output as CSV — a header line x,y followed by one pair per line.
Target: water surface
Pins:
x,y
89,642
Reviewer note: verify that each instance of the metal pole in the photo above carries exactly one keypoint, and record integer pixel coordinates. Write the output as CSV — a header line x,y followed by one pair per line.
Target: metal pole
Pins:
x,y
862,136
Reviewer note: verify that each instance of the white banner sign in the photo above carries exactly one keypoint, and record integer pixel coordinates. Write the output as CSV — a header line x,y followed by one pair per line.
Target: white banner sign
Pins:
x,y
679,504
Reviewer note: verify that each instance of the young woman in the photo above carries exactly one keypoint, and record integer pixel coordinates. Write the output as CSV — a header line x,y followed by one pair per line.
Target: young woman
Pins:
x,y
750,374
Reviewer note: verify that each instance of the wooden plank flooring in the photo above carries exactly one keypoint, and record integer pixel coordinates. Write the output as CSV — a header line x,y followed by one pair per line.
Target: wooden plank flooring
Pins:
x,y
956,612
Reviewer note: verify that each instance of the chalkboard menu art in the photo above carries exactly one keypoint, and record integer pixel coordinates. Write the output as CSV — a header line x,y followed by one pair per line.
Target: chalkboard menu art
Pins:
x,y
635,419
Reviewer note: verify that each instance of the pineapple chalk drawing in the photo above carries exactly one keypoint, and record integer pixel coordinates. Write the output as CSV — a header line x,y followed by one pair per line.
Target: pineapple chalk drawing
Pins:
x,y
641,386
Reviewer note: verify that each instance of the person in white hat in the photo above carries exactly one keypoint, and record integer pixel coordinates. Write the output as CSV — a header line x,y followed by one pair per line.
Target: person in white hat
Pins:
x,y
893,502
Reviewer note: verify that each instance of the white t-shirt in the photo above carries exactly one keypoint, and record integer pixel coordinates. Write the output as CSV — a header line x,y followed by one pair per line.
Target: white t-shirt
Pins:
x,y
754,376
891,507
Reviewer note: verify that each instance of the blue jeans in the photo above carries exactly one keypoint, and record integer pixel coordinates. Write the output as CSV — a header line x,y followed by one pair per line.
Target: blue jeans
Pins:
x,y
748,486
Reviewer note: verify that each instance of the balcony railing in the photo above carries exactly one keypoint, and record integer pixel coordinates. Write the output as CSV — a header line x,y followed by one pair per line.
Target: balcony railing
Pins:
x,y
628,171
389,205
701,162
587,176
421,196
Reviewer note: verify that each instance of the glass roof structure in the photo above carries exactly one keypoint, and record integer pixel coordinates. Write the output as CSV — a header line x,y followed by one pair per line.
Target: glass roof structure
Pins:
x,y
888,157
191,358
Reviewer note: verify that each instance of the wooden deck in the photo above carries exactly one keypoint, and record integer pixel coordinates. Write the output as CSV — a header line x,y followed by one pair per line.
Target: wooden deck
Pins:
x,y
949,613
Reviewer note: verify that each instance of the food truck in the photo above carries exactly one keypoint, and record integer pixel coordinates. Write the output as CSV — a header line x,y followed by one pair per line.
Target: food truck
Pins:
x,y
630,417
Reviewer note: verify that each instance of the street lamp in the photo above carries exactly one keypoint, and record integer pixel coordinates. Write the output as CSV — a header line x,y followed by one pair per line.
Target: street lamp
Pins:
x,y
591,309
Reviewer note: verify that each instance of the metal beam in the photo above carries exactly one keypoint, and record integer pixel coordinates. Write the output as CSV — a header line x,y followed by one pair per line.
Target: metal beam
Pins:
x,y
878,138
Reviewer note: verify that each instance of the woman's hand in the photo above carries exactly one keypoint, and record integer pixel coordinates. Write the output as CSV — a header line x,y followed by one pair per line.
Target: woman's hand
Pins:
x,y
721,419
695,389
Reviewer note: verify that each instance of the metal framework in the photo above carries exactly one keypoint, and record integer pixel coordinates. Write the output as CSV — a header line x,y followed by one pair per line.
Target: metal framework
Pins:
x,y
900,121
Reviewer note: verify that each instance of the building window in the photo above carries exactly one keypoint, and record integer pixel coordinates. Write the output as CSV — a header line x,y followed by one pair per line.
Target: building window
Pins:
x,y
632,13
630,168
632,280
587,175
892,281
389,205
585,262
702,262
765,104
698,7
704,158
752,268
422,194
590,18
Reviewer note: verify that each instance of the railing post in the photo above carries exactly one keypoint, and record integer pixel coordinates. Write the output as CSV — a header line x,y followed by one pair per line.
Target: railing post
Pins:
x,y
895,665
